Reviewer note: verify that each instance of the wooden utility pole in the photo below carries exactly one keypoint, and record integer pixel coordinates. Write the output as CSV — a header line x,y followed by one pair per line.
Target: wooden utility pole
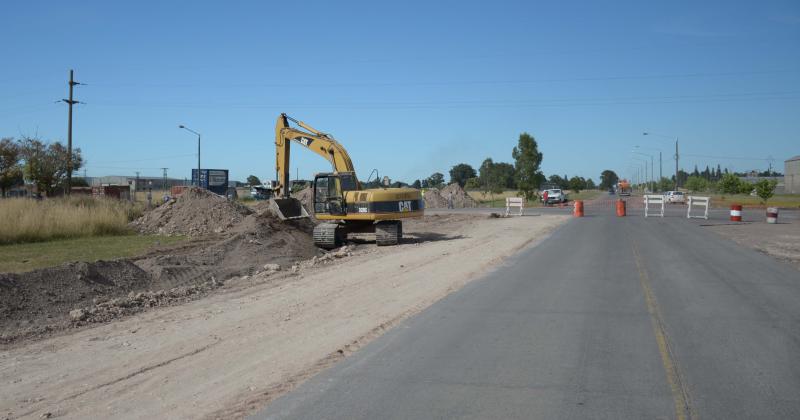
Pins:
x,y
70,102
164,184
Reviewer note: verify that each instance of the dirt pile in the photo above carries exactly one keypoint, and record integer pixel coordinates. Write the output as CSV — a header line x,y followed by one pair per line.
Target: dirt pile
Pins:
x,y
452,194
196,212
39,302
306,197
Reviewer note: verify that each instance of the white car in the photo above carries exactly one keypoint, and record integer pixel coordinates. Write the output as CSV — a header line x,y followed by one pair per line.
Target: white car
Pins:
x,y
554,195
675,197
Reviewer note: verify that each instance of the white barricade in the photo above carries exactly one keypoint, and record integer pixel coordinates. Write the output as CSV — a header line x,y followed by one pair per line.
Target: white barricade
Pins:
x,y
653,200
517,202
698,202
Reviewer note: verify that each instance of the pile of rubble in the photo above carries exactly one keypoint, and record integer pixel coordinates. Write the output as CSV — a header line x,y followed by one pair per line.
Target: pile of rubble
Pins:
x,y
451,196
195,212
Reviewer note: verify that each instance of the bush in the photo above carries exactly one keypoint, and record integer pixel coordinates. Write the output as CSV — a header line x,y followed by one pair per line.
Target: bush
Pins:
x,y
696,184
765,189
26,220
731,184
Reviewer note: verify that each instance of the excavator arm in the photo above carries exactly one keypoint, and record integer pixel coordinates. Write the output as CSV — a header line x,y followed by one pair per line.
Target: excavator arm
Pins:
x,y
318,142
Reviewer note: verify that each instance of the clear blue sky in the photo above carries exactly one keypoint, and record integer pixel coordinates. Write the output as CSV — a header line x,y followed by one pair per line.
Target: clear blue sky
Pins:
x,y
408,87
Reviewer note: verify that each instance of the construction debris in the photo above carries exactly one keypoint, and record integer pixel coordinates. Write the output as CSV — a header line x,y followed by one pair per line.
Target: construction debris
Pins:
x,y
451,196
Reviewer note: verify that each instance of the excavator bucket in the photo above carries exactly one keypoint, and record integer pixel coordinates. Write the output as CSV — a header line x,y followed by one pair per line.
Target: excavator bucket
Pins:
x,y
288,208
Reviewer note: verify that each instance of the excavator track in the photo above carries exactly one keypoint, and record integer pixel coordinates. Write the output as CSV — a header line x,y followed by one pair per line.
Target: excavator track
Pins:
x,y
326,235
389,232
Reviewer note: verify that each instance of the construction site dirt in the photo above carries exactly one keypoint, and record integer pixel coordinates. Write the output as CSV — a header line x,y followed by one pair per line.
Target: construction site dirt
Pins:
x,y
256,310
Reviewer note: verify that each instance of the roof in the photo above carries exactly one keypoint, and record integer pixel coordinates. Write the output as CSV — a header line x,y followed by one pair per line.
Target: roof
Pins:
x,y
793,158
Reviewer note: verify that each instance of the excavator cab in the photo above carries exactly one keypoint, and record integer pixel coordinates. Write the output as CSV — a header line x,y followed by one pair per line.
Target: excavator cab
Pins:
x,y
329,191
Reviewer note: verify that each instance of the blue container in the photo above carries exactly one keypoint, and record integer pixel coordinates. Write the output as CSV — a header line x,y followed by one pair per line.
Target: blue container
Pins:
x,y
214,180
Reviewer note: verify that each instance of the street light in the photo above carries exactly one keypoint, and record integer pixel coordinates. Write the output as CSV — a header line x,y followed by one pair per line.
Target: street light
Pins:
x,y
198,150
645,164
660,165
651,165
647,133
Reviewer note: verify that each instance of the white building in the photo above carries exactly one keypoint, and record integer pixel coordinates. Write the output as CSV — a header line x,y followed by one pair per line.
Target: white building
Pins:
x,y
791,175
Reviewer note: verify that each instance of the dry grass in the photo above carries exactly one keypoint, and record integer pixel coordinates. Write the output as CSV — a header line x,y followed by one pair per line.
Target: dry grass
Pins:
x,y
25,220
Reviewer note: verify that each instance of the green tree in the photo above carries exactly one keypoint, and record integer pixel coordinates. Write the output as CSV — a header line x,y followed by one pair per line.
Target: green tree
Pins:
x,y
253,180
590,185
46,164
505,173
577,184
765,189
10,169
472,184
729,184
696,183
608,179
527,160
436,180
665,184
461,173
417,184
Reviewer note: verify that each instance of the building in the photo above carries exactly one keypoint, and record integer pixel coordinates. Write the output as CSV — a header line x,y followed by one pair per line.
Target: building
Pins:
x,y
791,175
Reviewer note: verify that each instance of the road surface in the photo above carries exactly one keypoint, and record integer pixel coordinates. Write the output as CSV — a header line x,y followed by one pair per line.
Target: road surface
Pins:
x,y
614,318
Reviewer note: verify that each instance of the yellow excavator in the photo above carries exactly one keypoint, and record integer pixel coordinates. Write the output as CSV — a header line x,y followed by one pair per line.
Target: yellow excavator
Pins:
x,y
339,201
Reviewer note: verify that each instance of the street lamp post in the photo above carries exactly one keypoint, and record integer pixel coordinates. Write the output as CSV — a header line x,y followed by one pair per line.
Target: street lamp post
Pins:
x,y
652,176
677,156
645,166
660,164
198,150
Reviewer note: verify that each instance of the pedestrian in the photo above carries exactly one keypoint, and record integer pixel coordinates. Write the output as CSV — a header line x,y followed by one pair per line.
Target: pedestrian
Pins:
x,y
450,200
544,197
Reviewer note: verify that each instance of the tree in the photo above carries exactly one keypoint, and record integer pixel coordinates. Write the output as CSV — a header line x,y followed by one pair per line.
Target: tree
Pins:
x,y
556,180
666,184
10,170
696,184
417,184
527,159
491,177
472,184
46,164
576,184
765,189
253,180
590,184
461,173
608,179
436,180
729,184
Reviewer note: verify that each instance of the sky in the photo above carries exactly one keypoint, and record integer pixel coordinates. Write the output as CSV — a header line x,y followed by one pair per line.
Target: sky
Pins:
x,y
409,88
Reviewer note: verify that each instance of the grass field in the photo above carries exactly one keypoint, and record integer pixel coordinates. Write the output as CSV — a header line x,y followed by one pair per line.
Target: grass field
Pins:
x,y
17,258
499,200
26,220
779,200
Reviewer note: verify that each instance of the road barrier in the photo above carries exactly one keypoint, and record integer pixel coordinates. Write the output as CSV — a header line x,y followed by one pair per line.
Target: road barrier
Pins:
x,y
736,212
515,202
578,212
772,215
698,202
620,208
653,199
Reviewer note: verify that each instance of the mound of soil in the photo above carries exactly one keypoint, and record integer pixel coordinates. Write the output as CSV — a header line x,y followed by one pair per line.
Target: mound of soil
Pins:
x,y
451,194
39,302
195,212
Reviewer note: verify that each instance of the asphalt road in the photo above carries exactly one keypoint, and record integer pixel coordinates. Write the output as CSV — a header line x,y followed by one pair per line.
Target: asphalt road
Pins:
x,y
611,318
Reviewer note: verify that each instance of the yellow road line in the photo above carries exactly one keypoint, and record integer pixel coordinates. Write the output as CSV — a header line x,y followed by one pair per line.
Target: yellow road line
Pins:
x,y
680,396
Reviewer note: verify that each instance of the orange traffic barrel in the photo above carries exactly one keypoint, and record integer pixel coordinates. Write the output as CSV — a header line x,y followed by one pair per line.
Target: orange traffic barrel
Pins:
x,y
620,208
578,208
772,215
736,212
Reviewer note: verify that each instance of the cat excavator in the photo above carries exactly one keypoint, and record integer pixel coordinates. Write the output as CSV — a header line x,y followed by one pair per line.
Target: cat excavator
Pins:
x,y
339,201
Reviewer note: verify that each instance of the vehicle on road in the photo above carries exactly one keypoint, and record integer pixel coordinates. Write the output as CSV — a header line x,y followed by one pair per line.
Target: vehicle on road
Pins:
x,y
554,196
624,187
675,197
611,191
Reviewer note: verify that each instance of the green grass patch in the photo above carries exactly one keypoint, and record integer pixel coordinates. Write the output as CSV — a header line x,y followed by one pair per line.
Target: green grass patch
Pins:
x,y
779,200
16,258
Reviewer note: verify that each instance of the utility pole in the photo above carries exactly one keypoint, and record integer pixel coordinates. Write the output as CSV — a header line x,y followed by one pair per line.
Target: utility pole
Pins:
x,y
136,187
676,164
70,102
164,186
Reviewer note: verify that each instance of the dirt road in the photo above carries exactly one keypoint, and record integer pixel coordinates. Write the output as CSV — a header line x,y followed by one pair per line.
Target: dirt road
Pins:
x,y
226,355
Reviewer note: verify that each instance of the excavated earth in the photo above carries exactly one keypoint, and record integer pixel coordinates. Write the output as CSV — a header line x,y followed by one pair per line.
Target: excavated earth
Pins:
x,y
227,240
442,198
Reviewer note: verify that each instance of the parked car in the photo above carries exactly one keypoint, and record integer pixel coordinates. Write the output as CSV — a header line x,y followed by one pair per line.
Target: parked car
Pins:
x,y
554,196
611,191
675,197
